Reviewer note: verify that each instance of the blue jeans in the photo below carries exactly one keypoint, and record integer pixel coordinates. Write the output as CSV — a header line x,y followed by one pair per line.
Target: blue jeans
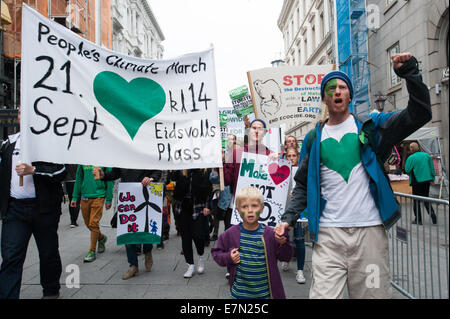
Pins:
x,y
299,240
22,221
132,255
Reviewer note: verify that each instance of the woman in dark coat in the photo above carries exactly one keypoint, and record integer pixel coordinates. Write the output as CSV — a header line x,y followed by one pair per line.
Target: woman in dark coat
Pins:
x,y
192,195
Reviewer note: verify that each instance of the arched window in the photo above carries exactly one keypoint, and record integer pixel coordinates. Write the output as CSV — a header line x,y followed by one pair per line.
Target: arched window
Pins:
x,y
448,49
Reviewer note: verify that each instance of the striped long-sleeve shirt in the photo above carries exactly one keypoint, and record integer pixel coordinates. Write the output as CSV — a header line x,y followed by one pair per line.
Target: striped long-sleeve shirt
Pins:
x,y
251,277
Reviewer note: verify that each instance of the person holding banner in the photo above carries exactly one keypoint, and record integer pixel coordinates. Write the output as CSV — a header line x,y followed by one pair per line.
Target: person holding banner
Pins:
x,y
250,252
31,209
192,197
93,194
145,177
231,167
341,182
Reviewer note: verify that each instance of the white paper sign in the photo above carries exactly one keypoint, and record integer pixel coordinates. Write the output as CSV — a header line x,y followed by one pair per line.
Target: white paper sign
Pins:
x,y
139,213
84,104
272,178
288,94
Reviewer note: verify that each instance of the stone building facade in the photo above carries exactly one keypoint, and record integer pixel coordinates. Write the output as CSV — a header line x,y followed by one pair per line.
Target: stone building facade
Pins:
x,y
422,28
136,31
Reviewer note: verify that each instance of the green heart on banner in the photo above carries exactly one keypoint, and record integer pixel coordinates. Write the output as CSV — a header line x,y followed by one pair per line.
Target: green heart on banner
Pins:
x,y
132,103
342,156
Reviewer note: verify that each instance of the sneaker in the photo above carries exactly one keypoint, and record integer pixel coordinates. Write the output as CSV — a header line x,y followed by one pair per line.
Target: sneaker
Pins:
x,y
201,264
227,275
190,271
101,244
73,225
90,256
284,266
214,237
148,261
132,271
300,278
160,246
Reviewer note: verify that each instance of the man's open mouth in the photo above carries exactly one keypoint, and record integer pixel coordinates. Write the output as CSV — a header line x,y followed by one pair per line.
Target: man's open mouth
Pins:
x,y
338,101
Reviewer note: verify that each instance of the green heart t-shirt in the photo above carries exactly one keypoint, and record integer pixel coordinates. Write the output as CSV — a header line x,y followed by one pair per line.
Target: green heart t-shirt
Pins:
x,y
343,179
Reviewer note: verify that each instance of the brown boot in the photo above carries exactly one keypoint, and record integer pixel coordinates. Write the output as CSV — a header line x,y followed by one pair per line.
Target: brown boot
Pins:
x,y
130,273
148,261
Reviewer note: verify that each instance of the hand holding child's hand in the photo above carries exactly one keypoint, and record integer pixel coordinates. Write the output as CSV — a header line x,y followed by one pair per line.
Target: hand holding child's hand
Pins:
x,y
235,256
279,232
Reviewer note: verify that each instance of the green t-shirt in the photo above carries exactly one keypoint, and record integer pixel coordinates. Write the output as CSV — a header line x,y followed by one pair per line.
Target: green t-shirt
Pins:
x,y
86,186
421,164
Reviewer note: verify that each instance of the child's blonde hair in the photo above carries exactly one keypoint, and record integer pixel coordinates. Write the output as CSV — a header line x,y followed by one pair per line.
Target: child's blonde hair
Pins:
x,y
250,192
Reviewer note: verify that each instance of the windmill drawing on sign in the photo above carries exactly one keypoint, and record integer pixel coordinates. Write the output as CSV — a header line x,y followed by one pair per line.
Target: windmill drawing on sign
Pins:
x,y
146,205
145,218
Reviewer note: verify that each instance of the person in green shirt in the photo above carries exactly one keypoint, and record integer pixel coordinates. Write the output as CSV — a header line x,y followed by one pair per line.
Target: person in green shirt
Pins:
x,y
94,194
419,167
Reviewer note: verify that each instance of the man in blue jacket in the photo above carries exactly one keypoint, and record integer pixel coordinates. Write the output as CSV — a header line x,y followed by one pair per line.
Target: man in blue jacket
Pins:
x,y
343,187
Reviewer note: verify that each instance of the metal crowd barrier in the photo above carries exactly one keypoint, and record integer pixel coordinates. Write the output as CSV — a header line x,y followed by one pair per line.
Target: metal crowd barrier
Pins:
x,y
418,254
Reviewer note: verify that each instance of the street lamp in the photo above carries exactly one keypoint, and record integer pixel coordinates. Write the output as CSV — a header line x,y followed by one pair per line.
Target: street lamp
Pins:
x,y
277,63
380,100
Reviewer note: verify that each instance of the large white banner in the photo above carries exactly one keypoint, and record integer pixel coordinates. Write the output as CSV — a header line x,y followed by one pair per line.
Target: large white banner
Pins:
x,y
288,94
84,104
272,178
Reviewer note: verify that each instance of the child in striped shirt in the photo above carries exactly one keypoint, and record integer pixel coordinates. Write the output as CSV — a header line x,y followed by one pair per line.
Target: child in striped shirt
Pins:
x,y
250,251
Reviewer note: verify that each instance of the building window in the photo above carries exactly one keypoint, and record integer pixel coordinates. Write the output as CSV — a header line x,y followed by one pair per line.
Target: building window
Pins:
x,y
448,48
322,26
306,52
313,38
287,40
293,31
392,76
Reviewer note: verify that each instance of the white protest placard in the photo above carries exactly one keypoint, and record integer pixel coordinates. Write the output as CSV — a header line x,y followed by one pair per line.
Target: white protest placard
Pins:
x,y
272,178
288,94
139,213
233,124
84,104
293,172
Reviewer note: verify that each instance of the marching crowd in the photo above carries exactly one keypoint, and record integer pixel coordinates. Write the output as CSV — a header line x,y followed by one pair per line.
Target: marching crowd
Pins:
x,y
339,184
